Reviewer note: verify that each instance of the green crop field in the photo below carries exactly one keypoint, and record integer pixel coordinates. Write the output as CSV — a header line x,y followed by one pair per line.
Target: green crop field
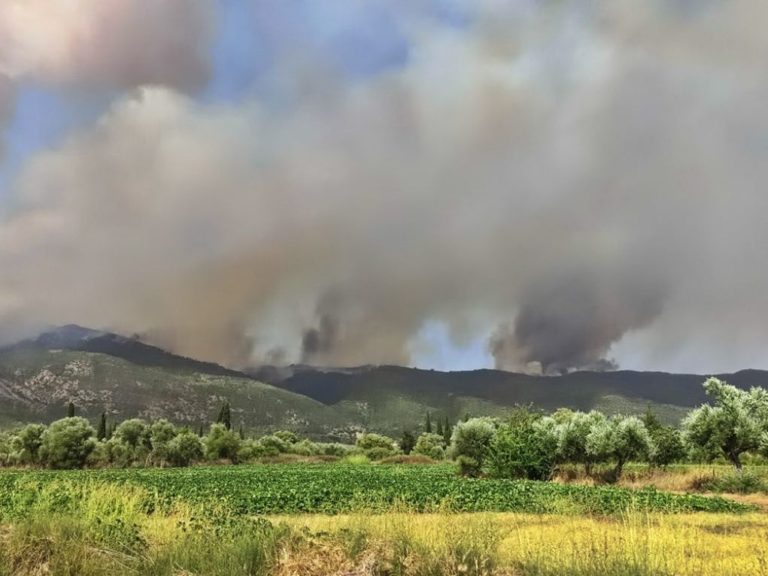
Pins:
x,y
299,488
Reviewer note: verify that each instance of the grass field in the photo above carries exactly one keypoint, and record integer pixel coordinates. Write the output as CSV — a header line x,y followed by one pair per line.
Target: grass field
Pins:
x,y
316,520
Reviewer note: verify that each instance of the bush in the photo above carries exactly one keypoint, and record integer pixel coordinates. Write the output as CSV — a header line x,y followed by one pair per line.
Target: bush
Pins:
x,y
221,444
67,443
523,448
305,448
407,459
472,440
274,444
28,442
335,449
133,433
468,466
379,453
430,445
287,437
376,446
185,448
161,433
667,446
742,483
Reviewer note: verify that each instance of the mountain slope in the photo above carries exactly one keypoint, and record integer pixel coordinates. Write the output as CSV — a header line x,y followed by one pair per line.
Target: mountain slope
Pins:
x,y
101,371
494,391
36,384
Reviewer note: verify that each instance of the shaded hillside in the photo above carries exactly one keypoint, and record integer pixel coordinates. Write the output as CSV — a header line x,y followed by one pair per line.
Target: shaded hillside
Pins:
x,y
453,393
73,337
36,385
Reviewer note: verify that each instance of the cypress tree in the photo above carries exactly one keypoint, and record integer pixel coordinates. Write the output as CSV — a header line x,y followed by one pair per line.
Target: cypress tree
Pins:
x,y
407,442
428,425
241,432
200,431
225,415
447,432
71,410
101,434
439,429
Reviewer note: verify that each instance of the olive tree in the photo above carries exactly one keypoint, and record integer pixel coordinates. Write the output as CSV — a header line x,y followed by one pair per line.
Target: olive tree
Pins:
x,y
185,448
572,432
732,426
28,441
619,440
377,446
161,433
470,444
524,447
67,443
430,445
222,443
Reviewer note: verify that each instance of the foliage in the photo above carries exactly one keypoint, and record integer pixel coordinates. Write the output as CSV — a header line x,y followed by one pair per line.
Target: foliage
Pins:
x,y
225,415
28,442
524,447
619,440
744,483
667,446
376,446
430,445
470,443
287,437
573,428
222,444
274,444
67,443
732,426
338,488
185,448
407,442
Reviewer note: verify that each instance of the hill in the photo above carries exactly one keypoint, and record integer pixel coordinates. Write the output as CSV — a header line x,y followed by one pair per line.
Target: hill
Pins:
x,y
37,383
100,371
391,390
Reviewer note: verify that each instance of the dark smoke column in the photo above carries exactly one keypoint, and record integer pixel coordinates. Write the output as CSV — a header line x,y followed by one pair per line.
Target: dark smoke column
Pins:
x,y
570,322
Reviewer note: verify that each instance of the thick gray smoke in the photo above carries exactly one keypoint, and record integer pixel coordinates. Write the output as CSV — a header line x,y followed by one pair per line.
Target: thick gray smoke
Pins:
x,y
576,182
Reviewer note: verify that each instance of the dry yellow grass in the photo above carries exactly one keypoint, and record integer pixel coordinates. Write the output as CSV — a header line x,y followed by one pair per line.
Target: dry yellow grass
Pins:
x,y
695,545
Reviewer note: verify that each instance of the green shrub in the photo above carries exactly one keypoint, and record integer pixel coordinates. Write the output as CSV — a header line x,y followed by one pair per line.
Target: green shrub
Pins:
x,y
221,444
67,443
185,448
525,447
274,444
472,440
430,445
739,483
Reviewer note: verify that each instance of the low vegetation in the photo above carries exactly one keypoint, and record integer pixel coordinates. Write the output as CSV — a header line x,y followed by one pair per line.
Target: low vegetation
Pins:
x,y
306,488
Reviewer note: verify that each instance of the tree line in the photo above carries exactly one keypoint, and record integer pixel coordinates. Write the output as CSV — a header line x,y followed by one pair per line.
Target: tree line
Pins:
x,y
526,444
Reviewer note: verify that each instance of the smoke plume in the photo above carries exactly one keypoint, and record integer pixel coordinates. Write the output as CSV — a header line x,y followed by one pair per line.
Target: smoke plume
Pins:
x,y
103,44
574,181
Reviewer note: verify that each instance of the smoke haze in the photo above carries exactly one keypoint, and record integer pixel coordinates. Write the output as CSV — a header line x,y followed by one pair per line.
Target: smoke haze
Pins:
x,y
576,182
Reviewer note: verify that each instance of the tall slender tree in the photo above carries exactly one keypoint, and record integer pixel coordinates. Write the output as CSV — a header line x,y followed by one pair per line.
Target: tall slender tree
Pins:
x,y
439,429
70,410
225,415
447,432
101,433
428,424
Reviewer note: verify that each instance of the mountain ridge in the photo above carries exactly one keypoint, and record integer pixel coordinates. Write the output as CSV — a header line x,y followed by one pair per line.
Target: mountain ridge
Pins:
x,y
102,371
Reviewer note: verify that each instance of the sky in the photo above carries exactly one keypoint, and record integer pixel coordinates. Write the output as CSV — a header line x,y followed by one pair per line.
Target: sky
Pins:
x,y
532,185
